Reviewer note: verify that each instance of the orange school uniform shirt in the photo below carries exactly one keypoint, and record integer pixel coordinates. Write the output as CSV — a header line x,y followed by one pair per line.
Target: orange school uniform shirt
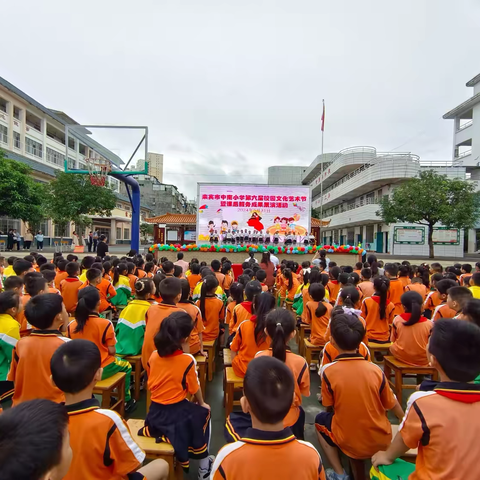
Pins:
x,y
290,293
333,288
229,315
198,326
246,347
53,290
281,286
404,281
241,312
299,368
395,292
193,279
153,319
410,342
30,368
444,424
330,353
432,301
131,280
141,273
227,282
21,319
221,278
107,291
101,443
305,299
377,328
319,324
443,311
366,288
98,330
69,290
172,378
61,275
214,315
359,393
264,455
419,288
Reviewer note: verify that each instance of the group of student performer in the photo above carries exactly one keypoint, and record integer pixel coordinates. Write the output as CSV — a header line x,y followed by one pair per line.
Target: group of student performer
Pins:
x,y
241,237
56,344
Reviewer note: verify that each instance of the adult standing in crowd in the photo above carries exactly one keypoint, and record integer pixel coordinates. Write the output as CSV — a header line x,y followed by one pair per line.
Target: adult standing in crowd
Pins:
x,y
321,256
267,265
90,241
181,262
274,259
10,240
102,247
27,240
74,239
17,238
39,238
95,240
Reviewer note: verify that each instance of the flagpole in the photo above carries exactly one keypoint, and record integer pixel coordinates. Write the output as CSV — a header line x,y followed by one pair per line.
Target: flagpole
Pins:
x,y
321,176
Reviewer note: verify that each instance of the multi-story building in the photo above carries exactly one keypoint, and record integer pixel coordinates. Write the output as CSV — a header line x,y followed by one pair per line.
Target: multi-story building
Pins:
x,y
35,135
155,165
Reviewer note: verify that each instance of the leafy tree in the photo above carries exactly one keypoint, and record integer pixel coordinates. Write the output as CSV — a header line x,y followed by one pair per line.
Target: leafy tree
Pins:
x,y
430,199
72,197
315,213
145,230
22,197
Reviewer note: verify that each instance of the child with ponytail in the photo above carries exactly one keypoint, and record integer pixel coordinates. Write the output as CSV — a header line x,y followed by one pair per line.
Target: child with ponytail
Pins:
x,y
292,285
410,332
280,326
88,325
318,313
251,337
121,282
212,309
172,376
378,312
130,329
236,294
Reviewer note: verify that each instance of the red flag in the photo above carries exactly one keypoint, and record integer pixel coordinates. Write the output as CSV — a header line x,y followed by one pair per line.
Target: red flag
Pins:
x,y
323,116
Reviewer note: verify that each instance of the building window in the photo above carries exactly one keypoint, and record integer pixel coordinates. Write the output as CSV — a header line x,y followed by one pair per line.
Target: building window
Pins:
x,y
3,134
7,223
71,143
126,234
16,140
59,233
119,233
54,157
71,163
34,122
33,147
16,112
3,105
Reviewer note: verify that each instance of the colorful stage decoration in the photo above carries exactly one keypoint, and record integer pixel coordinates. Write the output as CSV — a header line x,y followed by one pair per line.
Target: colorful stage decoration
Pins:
x,y
294,250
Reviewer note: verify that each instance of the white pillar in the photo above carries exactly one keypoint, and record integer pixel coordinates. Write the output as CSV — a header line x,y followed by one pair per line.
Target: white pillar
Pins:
x,y
113,232
10,125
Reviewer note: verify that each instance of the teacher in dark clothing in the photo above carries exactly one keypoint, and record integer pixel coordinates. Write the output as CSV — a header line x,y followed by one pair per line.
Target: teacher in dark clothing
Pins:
x,y
102,247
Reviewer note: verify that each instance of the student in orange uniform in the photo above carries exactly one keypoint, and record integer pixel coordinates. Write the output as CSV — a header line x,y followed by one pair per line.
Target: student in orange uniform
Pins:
x,y
466,272
333,285
194,276
213,311
443,310
410,332
366,284
359,394
251,336
149,269
236,294
216,266
317,313
172,375
396,288
69,287
446,419
140,272
358,268
170,292
100,439
30,367
311,278
268,450
417,286
229,277
132,278
196,337
14,283
457,299
243,310
49,276
22,267
89,326
106,289
34,284
34,441
61,273
292,285
433,299
261,276
404,275
378,312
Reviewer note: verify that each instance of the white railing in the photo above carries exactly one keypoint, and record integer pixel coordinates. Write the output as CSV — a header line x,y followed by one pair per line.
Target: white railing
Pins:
x,y
463,154
465,125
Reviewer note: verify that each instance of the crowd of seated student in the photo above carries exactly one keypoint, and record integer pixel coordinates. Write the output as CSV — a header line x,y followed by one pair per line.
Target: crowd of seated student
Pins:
x,y
166,318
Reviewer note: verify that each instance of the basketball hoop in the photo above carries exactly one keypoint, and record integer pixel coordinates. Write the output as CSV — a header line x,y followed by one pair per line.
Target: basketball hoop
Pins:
x,y
98,169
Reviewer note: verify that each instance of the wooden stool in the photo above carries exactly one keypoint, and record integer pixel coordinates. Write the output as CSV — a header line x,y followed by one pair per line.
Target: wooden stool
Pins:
x,y
232,384
378,347
209,347
202,372
310,349
227,357
399,370
106,388
410,455
138,371
154,450
302,330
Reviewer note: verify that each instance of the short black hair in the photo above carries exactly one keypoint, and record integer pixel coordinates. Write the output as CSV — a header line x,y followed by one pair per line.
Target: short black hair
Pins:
x,y
29,258
13,282
195,268
170,288
8,300
41,310
216,265
460,295
444,285
49,275
467,267
72,268
167,266
261,275
179,255
34,283
41,260
391,269
47,266
269,387
31,439
88,261
177,271
74,365
21,266
93,273
72,258
252,289
471,310
62,264
475,278
455,345
437,267
334,272
347,331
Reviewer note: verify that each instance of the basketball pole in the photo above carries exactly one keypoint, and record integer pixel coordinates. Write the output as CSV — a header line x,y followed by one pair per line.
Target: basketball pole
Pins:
x,y
321,178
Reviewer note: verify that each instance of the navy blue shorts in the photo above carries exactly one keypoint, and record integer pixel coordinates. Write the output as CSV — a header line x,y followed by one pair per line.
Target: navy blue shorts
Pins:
x,y
323,424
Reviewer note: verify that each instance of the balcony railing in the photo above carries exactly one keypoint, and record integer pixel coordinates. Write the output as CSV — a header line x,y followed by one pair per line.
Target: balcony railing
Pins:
x,y
463,154
465,125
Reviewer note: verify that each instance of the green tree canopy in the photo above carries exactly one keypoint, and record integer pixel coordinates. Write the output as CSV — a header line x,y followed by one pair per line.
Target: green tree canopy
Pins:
x,y
146,229
72,197
430,199
22,197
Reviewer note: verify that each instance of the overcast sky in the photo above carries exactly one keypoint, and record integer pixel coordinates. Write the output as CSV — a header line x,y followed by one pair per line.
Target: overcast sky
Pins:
x,y
228,88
